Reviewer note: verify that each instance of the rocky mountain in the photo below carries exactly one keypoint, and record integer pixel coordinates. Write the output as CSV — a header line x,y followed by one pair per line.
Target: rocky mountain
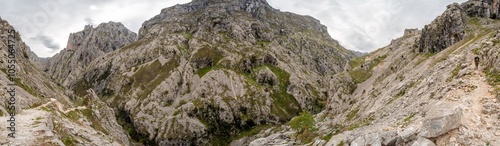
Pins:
x,y
44,114
422,89
239,72
210,70
85,46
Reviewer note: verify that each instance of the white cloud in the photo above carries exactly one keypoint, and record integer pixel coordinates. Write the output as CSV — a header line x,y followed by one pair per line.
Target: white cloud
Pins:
x,y
362,25
92,7
366,25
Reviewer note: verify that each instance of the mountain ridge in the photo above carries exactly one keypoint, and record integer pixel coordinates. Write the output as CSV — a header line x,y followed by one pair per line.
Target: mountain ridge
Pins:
x,y
220,72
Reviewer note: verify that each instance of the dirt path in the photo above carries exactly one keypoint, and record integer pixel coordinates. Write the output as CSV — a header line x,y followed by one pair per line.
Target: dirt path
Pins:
x,y
476,117
478,122
60,106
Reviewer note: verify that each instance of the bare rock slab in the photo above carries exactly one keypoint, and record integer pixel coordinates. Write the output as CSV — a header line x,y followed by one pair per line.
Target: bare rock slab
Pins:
x,y
423,142
441,119
336,140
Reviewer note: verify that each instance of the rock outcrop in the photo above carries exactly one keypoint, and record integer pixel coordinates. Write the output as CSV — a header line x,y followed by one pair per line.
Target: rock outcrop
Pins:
x,y
482,8
32,85
85,46
444,31
210,69
411,32
44,115
440,120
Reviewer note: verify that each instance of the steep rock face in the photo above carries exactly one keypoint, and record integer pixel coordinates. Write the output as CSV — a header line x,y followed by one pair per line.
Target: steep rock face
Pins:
x,y
444,31
482,8
85,46
32,85
44,115
209,69
397,101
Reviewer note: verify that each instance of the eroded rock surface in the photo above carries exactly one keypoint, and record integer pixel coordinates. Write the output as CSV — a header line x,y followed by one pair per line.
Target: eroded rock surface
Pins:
x,y
444,31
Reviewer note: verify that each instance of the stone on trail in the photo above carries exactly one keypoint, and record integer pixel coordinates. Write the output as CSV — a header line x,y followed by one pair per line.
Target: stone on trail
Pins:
x,y
440,119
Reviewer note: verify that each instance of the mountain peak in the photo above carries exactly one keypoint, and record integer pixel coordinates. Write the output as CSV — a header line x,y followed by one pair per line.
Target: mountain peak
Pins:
x,y
86,45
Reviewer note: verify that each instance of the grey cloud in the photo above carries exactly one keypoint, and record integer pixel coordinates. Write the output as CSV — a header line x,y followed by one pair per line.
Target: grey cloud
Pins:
x,y
46,41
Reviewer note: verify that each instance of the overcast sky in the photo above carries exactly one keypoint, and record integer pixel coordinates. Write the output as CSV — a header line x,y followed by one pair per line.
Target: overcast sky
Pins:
x,y
361,25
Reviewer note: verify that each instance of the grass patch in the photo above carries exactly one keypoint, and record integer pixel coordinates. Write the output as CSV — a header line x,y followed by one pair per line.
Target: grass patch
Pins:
x,y
25,87
208,53
327,137
188,35
476,51
149,77
207,58
406,121
203,71
73,115
255,130
357,62
285,105
342,143
454,73
359,75
424,57
68,140
263,43
493,78
403,91
360,123
96,123
125,121
304,125
352,114
81,87
181,103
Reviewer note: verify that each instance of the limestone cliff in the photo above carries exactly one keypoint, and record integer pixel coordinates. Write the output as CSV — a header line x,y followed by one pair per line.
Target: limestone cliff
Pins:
x,y
482,8
85,46
444,31
203,72
44,114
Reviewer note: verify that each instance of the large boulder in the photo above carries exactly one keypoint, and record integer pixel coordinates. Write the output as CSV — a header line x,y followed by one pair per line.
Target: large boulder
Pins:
x,y
441,119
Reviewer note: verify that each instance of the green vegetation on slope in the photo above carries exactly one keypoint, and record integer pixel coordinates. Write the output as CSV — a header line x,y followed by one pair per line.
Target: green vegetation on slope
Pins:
x,y
208,57
358,74
493,77
149,77
125,121
285,105
304,125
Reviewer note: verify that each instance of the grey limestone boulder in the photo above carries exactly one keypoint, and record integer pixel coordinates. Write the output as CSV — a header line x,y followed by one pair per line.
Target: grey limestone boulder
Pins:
x,y
441,119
